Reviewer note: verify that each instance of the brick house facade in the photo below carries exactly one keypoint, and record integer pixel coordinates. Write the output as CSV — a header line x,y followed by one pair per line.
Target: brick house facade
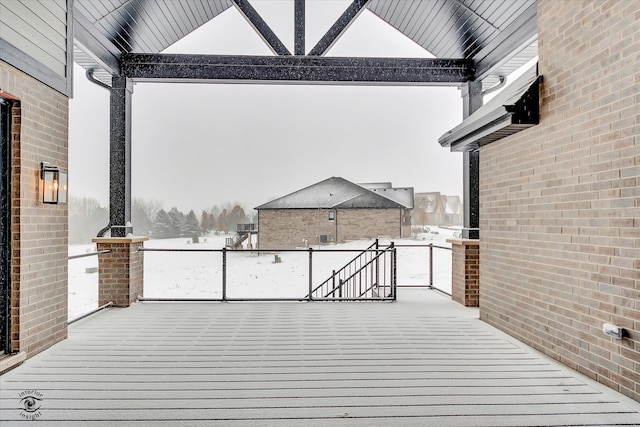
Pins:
x,y
333,211
35,85
38,238
559,203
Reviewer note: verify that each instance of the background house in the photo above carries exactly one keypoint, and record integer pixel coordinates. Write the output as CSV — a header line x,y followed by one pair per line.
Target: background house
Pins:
x,y
335,210
452,210
434,208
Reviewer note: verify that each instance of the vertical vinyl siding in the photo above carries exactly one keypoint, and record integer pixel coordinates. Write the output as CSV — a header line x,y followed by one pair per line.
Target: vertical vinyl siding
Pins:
x,y
38,28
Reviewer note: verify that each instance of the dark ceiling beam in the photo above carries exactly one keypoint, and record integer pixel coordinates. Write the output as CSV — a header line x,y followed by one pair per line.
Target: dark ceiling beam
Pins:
x,y
373,71
339,27
95,45
299,27
260,26
509,42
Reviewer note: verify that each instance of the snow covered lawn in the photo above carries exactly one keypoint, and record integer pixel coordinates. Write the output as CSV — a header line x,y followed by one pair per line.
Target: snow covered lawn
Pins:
x,y
199,274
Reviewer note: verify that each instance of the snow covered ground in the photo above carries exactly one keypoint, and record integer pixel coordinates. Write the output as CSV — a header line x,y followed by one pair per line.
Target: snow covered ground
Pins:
x,y
199,274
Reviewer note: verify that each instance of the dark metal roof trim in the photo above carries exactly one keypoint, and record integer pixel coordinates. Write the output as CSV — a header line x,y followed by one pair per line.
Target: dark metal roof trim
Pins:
x,y
299,27
338,28
260,26
516,108
228,68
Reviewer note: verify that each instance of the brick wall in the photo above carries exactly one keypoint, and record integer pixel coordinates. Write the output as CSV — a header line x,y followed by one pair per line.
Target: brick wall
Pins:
x,y
282,229
559,203
356,224
288,228
38,232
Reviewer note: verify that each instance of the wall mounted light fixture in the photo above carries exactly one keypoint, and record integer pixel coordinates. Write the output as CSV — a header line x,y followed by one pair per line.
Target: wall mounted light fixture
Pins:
x,y
54,184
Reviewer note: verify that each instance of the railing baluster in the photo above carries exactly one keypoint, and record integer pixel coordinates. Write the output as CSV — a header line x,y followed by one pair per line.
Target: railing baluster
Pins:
x,y
310,274
430,265
224,274
394,281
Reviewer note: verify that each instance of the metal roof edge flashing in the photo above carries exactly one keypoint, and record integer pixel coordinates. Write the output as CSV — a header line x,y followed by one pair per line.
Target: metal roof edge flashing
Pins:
x,y
514,109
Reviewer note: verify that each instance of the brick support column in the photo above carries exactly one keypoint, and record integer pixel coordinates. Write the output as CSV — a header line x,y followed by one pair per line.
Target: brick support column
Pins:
x,y
120,272
465,271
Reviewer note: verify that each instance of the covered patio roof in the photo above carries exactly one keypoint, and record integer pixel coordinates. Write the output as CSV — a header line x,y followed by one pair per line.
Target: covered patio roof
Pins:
x,y
422,361
494,37
475,44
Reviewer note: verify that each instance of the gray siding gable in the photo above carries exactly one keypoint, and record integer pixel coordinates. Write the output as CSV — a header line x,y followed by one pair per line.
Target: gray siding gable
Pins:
x,y
36,38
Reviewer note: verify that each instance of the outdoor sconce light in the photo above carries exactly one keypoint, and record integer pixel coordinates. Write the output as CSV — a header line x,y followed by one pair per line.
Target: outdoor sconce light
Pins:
x,y
54,184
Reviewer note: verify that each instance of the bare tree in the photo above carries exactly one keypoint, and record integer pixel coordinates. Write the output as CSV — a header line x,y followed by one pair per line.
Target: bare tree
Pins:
x,y
143,214
86,218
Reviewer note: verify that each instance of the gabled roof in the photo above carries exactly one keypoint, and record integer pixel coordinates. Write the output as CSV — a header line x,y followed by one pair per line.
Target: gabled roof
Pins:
x,y
404,196
372,185
453,205
430,202
497,35
334,193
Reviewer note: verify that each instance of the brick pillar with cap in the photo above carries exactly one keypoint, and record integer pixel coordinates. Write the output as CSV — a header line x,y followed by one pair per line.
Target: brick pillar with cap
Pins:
x,y
121,270
465,271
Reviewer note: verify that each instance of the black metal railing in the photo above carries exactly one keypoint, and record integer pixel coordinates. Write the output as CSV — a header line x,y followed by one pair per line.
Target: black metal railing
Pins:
x,y
70,257
240,228
431,284
373,280
78,272
370,275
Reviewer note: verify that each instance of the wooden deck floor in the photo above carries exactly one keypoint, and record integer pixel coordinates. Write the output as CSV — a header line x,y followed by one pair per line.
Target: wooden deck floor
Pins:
x,y
418,362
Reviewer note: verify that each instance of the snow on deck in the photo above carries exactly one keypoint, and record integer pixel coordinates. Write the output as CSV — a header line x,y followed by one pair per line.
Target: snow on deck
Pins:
x,y
422,361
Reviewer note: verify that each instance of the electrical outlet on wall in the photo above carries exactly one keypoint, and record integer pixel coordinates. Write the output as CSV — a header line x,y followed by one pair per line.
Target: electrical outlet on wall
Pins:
x,y
612,330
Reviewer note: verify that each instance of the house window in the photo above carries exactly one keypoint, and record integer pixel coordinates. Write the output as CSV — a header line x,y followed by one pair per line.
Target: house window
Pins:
x,y
332,216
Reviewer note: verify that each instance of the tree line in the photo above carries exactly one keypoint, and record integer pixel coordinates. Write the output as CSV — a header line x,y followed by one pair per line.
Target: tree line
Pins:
x,y
149,218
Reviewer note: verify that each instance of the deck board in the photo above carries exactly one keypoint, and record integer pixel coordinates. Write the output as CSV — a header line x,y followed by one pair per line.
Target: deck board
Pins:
x,y
419,362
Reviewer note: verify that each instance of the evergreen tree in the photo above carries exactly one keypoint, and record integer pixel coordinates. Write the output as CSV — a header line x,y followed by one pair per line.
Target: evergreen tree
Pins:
x,y
191,227
177,219
162,225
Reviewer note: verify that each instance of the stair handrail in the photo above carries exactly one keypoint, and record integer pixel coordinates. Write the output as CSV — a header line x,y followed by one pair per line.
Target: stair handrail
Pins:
x,y
375,258
342,282
350,280
337,273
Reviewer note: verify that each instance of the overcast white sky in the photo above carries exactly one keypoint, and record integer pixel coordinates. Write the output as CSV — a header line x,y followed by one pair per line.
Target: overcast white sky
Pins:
x,y
197,145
